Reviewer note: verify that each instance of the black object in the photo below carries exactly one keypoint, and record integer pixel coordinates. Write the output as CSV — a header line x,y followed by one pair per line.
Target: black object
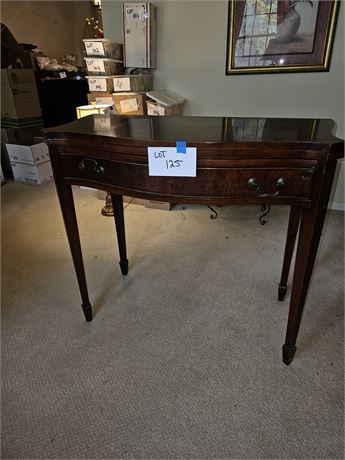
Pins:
x,y
11,51
59,99
28,46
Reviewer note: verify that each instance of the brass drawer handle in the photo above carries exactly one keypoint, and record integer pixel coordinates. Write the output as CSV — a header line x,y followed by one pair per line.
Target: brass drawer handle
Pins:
x,y
96,167
254,183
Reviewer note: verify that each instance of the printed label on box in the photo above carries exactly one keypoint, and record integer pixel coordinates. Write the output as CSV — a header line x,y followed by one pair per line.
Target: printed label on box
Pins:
x,y
129,105
94,48
122,84
95,65
97,84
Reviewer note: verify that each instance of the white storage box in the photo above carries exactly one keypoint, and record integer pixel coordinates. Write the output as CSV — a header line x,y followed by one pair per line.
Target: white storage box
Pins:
x,y
30,154
102,47
103,66
32,174
164,103
102,84
162,205
140,35
133,83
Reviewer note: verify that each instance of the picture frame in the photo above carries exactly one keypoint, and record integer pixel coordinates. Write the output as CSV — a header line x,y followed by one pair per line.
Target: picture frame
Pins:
x,y
279,36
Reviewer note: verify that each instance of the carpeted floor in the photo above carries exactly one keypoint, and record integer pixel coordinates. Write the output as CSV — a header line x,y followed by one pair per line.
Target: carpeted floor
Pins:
x,y
183,357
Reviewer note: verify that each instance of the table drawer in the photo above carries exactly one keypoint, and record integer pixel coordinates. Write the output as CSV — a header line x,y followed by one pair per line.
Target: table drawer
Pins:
x,y
267,182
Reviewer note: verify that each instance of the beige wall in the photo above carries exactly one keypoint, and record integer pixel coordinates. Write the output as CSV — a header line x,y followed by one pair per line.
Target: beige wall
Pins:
x,y
191,61
56,27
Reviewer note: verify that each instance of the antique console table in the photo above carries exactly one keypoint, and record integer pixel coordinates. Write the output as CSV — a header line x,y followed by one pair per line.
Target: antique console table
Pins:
x,y
239,161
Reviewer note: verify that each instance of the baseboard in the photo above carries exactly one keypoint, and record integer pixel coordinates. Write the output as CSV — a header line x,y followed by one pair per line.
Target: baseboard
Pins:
x,y
336,206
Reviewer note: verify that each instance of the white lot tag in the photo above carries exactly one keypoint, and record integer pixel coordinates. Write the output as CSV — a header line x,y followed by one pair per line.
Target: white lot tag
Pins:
x,y
122,84
95,65
129,105
97,84
94,48
165,161
155,110
135,13
104,100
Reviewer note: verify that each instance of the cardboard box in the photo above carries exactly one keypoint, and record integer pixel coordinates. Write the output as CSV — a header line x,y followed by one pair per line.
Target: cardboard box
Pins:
x,y
162,205
32,174
29,154
124,103
100,97
103,47
140,35
22,136
132,83
100,84
4,135
103,66
19,98
130,103
29,59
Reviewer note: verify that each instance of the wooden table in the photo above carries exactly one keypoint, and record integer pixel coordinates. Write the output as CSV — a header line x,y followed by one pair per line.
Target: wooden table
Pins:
x,y
239,161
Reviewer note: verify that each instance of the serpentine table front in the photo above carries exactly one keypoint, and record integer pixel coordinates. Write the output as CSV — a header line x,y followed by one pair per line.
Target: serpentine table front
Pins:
x,y
239,161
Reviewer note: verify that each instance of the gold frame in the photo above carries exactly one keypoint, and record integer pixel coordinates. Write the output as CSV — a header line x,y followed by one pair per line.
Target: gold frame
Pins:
x,y
322,66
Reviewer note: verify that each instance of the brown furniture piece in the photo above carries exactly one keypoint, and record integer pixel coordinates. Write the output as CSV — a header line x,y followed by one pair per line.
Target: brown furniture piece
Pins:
x,y
239,161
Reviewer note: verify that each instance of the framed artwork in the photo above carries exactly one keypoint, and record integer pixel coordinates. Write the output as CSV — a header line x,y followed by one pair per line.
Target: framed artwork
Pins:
x,y
269,36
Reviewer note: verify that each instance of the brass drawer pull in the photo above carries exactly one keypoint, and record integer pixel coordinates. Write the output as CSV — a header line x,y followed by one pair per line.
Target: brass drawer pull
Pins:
x,y
254,183
96,167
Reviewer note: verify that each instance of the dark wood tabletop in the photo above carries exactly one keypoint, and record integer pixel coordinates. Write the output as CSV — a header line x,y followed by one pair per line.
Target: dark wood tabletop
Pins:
x,y
199,130
263,161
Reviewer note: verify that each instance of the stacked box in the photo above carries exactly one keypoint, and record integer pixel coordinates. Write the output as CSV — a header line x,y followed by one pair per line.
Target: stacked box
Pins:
x,y
21,136
163,103
104,57
130,103
20,106
102,47
133,83
30,163
100,84
124,103
100,97
103,66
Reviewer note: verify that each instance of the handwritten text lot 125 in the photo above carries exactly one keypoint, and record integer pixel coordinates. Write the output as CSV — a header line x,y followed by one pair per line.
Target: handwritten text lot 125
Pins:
x,y
165,161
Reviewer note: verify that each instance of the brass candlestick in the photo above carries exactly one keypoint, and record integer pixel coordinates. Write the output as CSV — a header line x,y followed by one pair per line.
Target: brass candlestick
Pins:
x,y
107,210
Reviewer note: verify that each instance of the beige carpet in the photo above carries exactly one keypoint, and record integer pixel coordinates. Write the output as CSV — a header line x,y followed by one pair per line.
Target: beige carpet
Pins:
x,y
183,357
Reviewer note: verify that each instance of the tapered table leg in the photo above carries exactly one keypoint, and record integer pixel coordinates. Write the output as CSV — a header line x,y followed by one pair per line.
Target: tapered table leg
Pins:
x,y
312,221
294,220
117,201
68,212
